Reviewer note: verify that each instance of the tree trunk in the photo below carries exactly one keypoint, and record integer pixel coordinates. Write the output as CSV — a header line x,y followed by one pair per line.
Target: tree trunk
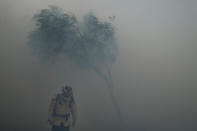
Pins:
x,y
110,88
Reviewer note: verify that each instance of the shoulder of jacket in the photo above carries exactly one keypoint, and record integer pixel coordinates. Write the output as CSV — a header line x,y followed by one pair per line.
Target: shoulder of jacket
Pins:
x,y
55,97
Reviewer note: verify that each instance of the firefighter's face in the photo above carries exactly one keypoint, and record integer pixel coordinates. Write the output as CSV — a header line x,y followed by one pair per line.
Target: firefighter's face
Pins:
x,y
67,91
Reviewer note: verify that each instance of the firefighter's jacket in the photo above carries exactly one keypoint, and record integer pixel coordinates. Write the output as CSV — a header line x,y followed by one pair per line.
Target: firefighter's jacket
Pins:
x,y
62,111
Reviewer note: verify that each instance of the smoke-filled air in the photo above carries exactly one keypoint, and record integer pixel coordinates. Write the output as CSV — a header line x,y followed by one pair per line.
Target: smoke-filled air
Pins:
x,y
90,44
98,65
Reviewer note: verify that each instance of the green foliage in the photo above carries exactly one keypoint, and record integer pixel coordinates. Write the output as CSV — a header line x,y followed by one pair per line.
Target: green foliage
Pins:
x,y
58,33
100,40
55,33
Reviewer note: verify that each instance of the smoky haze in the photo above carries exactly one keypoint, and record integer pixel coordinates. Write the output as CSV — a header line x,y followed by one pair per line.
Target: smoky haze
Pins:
x,y
154,75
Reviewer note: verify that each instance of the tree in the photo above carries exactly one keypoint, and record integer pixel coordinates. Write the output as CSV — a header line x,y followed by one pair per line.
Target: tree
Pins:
x,y
90,44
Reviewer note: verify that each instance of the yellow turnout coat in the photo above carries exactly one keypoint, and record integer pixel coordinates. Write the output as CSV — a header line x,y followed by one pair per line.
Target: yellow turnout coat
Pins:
x,y
62,111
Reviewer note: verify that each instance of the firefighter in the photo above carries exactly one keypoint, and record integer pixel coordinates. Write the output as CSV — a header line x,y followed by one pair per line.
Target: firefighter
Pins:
x,y
62,113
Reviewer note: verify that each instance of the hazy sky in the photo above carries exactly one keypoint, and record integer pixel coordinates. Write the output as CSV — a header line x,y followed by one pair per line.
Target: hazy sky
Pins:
x,y
155,75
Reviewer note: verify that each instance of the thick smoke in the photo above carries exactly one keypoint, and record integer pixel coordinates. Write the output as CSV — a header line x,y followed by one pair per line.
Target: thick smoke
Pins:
x,y
90,44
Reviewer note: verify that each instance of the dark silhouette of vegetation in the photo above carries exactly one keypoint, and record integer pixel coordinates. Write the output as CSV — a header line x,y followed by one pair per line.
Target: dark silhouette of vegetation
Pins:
x,y
90,44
